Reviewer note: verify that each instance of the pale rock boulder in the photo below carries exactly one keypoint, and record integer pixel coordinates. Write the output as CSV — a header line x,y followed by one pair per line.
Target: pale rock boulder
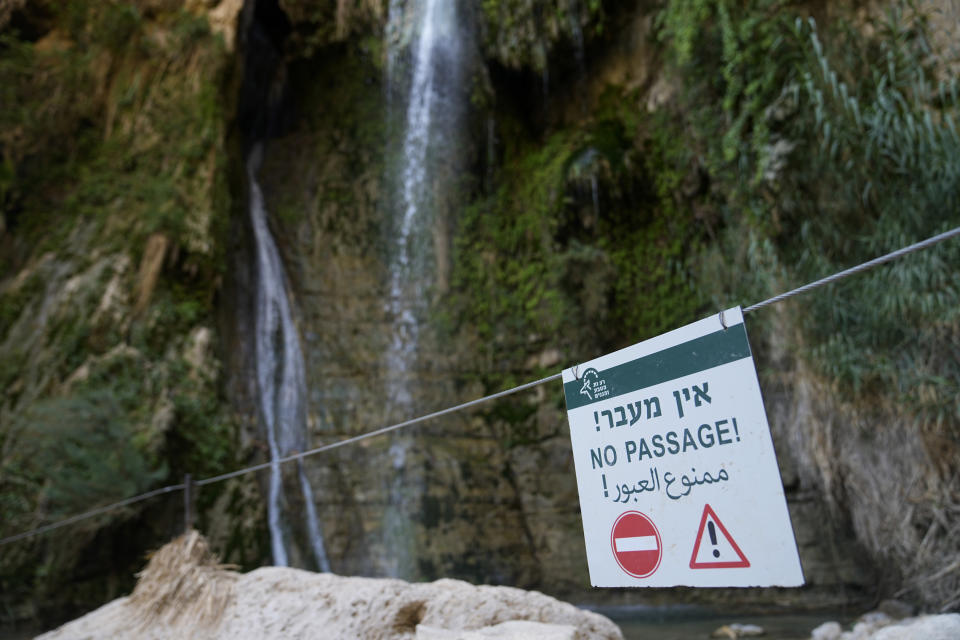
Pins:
x,y
867,625
827,631
939,627
879,626
513,630
183,593
290,603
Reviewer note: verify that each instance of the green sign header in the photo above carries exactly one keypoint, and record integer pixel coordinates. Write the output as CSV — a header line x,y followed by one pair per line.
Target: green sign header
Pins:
x,y
705,352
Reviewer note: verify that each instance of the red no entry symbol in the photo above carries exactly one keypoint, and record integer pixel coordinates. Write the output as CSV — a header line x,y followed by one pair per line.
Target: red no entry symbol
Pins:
x,y
636,544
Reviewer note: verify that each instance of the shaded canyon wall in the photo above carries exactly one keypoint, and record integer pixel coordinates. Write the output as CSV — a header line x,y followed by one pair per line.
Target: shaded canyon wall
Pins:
x,y
566,123
571,220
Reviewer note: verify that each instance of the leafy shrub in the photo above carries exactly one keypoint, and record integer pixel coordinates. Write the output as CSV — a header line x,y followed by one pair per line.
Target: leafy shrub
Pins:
x,y
81,446
826,148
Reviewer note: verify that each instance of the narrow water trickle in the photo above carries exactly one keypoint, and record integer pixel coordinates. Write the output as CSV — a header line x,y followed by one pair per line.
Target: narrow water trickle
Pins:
x,y
573,13
281,385
595,193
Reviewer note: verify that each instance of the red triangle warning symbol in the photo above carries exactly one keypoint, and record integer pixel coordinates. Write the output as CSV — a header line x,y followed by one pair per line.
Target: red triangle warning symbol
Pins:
x,y
719,550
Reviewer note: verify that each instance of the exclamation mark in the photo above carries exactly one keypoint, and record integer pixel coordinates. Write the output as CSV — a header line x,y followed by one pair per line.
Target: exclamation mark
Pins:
x,y
603,477
597,420
736,430
713,537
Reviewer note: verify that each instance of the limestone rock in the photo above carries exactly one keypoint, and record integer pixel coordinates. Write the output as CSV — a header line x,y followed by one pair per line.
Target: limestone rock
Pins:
x,y
276,602
879,626
867,625
939,627
513,630
150,265
223,20
223,16
827,631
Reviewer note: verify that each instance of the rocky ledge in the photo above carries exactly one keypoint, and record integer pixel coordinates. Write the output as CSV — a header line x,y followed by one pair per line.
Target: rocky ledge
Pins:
x,y
184,592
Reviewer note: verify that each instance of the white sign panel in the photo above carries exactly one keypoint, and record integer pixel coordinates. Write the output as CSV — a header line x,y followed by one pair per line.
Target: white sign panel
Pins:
x,y
678,479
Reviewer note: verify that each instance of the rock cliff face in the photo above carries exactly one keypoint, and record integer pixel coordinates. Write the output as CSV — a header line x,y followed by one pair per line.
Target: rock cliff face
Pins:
x,y
113,200
580,215
488,495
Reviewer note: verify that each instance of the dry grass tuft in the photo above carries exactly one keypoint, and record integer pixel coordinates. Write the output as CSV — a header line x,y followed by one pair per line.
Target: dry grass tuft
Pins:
x,y
183,583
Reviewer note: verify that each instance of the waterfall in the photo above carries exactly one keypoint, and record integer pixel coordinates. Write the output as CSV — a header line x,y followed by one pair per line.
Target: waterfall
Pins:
x,y
434,44
281,386
429,85
423,75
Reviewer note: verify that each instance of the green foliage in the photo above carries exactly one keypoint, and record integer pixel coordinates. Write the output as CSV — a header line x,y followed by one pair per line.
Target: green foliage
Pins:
x,y
652,290
111,129
136,150
14,302
117,25
733,55
317,25
524,233
64,455
191,30
583,245
43,124
828,155
885,134
526,34
826,147
79,450
203,441
81,446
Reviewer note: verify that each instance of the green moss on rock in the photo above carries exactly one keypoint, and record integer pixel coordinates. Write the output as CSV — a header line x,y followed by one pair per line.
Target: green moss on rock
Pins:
x,y
584,243
115,134
525,34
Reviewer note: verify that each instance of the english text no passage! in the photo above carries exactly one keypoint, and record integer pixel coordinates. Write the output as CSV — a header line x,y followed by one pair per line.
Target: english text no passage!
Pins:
x,y
673,442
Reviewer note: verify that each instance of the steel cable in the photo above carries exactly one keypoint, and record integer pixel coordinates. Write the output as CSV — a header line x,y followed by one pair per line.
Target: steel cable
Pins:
x,y
923,244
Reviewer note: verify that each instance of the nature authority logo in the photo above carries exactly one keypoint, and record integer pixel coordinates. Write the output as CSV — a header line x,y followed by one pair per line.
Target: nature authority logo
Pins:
x,y
593,386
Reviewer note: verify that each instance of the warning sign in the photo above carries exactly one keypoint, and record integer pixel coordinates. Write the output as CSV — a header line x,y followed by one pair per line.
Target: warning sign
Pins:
x,y
720,551
678,480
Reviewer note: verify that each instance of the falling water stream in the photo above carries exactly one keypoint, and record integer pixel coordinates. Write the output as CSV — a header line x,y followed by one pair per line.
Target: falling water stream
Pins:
x,y
281,385
423,62
427,99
